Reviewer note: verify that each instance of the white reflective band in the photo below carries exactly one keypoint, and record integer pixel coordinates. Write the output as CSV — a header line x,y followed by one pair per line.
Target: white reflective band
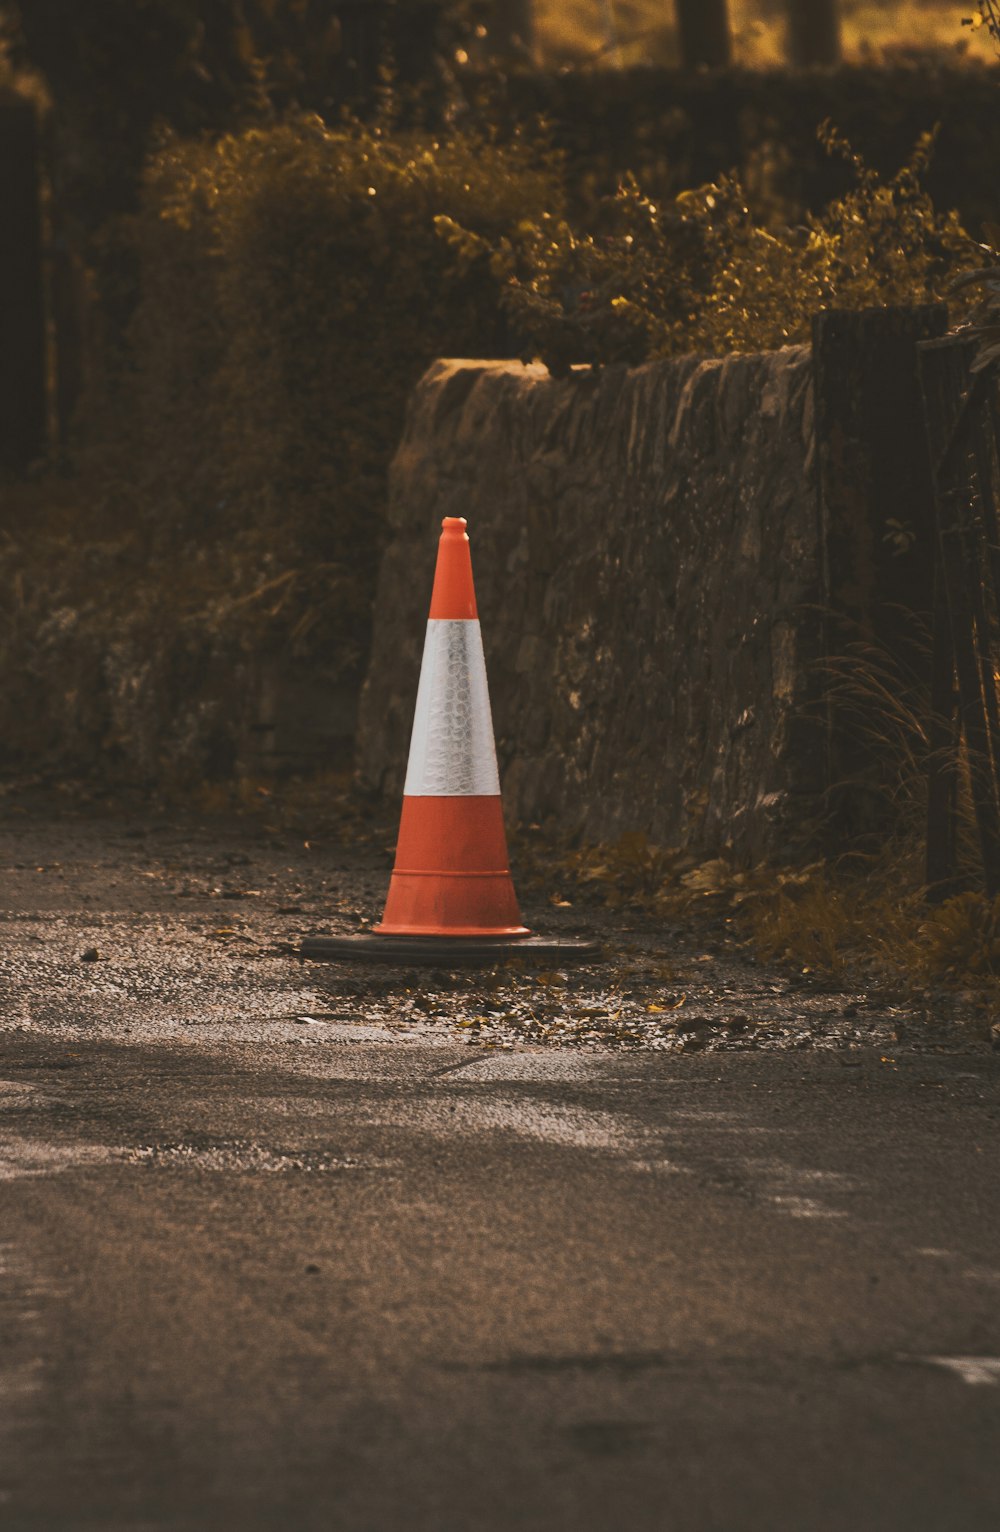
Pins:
x,y
452,754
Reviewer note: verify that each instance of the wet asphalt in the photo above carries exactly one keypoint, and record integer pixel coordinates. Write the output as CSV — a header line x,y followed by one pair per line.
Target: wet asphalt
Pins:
x,y
278,1250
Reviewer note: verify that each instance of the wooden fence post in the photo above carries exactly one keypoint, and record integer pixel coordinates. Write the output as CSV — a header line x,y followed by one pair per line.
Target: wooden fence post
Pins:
x,y
813,32
362,48
876,533
961,421
24,407
703,26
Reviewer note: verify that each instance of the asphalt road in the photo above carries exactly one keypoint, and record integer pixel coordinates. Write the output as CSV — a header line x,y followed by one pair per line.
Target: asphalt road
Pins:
x,y
263,1273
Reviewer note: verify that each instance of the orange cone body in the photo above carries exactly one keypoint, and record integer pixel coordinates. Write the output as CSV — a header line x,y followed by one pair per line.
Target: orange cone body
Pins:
x,y
452,876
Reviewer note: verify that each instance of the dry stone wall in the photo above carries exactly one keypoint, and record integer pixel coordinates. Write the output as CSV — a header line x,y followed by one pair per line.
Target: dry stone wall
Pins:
x,y
648,572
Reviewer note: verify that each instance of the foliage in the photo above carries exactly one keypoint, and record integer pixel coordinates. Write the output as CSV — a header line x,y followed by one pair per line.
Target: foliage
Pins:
x,y
294,279
961,938
586,32
987,15
676,129
292,289
701,274
120,70
853,921
840,924
983,319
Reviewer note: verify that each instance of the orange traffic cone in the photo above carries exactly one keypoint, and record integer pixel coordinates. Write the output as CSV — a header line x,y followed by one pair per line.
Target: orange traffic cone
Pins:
x,y
451,876
451,896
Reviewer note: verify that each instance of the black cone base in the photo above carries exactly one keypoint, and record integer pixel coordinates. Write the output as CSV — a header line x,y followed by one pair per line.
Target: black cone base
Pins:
x,y
435,951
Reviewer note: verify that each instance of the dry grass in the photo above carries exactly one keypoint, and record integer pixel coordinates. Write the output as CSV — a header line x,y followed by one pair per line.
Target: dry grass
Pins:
x,y
875,924
861,917
854,920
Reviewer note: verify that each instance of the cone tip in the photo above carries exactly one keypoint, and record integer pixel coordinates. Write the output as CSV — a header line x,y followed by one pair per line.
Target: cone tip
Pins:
x,y
453,595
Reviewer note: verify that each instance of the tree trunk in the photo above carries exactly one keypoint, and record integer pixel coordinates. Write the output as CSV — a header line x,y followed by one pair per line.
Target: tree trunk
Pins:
x,y
814,32
703,26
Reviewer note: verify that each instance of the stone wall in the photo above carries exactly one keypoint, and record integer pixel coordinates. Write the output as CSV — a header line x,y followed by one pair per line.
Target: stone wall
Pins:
x,y
666,557
647,566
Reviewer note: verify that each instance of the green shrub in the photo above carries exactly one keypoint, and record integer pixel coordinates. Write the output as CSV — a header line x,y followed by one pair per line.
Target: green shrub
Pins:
x,y
700,274
292,288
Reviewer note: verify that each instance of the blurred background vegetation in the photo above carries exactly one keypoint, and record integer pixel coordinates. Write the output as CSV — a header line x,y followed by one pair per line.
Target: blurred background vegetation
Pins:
x,y
263,218
623,32
259,220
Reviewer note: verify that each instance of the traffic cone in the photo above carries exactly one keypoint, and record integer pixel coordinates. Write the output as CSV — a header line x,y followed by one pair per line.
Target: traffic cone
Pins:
x,y
452,876
451,896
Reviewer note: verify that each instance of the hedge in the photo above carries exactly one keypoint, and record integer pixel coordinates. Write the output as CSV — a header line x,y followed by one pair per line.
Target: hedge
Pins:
x,y
292,282
680,128
292,288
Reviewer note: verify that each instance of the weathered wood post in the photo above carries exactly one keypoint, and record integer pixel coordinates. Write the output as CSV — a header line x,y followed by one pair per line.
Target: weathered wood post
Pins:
x,y
362,47
961,421
876,529
813,32
24,407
